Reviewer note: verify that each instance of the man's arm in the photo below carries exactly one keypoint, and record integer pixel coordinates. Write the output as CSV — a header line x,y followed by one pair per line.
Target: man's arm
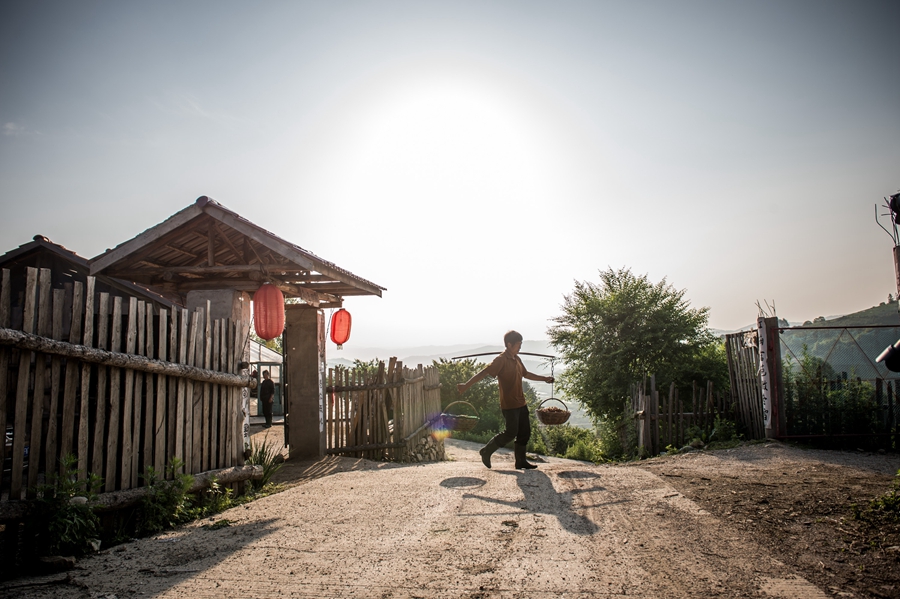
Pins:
x,y
463,387
536,377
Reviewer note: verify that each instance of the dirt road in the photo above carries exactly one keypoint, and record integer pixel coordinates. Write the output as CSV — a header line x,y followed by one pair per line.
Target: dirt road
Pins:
x,y
352,528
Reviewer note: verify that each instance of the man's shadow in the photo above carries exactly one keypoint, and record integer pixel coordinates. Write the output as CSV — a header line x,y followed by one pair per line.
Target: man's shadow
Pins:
x,y
539,497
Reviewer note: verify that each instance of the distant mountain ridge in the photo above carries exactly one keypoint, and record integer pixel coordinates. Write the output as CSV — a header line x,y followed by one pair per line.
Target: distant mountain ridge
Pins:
x,y
882,314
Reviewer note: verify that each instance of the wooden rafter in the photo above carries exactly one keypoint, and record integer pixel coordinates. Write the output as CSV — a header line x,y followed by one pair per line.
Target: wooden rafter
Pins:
x,y
224,237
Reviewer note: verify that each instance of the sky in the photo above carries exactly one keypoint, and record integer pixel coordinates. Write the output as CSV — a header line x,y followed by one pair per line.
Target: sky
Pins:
x,y
476,159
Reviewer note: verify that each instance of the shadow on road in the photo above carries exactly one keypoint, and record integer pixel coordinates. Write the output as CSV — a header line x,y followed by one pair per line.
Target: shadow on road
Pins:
x,y
462,482
540,497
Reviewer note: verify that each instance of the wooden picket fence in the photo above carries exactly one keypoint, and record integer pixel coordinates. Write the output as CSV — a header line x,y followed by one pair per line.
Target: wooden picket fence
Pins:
x,y
662,420
123,392
381,413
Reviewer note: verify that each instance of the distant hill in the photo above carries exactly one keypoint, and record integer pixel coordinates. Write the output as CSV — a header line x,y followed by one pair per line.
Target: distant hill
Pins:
x,y
883,314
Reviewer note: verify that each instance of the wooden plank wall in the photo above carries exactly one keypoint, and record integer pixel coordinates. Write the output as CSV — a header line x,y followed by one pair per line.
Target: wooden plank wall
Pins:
x,y
380,413
116,421
662,420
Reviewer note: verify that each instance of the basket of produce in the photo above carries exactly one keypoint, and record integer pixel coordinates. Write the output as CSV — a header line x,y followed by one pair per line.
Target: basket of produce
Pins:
x,y
458,422
553,414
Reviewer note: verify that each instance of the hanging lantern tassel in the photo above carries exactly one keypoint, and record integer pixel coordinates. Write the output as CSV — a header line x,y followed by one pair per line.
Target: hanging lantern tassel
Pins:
x,y
268,311
340,327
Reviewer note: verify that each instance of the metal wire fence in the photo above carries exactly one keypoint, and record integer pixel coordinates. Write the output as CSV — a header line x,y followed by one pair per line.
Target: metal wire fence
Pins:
x,y
833,388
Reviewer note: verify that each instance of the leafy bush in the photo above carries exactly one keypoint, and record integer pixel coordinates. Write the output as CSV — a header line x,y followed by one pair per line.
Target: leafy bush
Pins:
x,y
61,520
265,455
212,500
584,450
167,501
617,438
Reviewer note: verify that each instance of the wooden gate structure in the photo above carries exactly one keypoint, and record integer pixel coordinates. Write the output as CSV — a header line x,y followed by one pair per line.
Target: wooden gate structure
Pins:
x,y
383,413
662,420
743,371
127,390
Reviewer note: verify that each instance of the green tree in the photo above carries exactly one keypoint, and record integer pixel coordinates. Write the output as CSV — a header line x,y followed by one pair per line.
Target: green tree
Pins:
x,y
614,333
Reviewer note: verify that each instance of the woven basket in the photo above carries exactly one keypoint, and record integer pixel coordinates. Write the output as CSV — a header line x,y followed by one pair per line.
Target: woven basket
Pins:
x,y
552,415
458,422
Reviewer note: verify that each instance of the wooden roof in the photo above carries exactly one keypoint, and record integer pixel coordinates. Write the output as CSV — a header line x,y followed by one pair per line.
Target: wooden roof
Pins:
x,y
67,266
207,246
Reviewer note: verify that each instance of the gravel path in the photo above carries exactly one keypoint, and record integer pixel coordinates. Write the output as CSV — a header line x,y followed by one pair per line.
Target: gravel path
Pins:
x,y
352,528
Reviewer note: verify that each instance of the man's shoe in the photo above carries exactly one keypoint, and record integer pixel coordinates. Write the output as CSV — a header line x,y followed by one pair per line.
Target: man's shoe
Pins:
x,y
521,462
486,453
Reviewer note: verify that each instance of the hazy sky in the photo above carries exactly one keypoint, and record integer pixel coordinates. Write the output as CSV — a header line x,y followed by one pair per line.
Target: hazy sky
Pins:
x,y
474,158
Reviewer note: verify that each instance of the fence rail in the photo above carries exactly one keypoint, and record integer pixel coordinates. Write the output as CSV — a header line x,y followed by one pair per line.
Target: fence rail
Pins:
x,y
383,413
125,391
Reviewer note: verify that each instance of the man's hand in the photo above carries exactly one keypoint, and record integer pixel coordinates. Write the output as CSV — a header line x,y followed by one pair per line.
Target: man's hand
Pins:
x,y
460,388
549,379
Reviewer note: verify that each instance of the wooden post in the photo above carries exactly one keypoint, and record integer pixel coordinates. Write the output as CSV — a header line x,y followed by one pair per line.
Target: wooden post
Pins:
x,y
897,271
305,345
654,417
770,359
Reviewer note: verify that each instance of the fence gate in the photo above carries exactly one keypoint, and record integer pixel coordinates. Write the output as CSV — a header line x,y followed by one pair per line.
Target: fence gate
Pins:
x,y
383,412
743,371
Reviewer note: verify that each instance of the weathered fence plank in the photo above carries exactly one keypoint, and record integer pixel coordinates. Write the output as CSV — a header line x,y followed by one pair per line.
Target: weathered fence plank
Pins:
x,y
102,405
59,298
159,425
44,326
24,376
4,361
84,409
115,401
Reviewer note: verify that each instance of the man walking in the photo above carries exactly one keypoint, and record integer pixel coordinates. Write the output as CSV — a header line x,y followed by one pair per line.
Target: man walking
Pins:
x,y
509,370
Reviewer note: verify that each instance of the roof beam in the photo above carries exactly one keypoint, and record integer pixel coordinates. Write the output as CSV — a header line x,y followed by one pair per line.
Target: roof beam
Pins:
x,y
146,238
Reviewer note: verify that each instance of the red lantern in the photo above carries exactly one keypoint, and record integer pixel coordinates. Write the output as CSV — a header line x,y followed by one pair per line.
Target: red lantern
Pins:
x,y
340,327
268,311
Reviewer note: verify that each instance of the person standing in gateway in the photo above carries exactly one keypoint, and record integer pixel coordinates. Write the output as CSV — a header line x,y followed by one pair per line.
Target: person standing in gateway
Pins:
x,y
509,370
267,397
